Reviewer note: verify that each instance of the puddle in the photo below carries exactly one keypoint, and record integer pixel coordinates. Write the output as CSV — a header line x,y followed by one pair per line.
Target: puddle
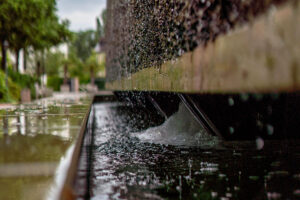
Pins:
x,y
34,141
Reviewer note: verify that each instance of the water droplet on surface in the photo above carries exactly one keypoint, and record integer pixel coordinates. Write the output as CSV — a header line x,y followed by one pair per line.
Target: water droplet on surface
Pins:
x,y
214,194
229,195
259,143
231,130
273,195
230,101
270,129
222,175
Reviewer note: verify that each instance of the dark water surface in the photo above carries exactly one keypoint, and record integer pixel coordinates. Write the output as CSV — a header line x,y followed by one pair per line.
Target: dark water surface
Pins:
x,y
126,166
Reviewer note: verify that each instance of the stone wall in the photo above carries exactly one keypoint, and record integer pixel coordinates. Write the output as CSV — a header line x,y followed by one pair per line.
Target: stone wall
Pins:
x,y
149,33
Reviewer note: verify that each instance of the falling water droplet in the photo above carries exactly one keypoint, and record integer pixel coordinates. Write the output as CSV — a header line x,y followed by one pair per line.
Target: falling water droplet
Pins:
x,y
259,143
230,101
231,130
214,194
190,163
179,187
270,129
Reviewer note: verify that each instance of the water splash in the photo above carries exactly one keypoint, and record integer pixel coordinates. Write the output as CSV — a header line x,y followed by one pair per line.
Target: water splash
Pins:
x,y
181,129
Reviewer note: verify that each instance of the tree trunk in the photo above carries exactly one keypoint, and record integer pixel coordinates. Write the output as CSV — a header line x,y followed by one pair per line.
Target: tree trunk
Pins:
x,y
43,69
24,59
92,77
38,69
17,60
43,63
65,74
3,60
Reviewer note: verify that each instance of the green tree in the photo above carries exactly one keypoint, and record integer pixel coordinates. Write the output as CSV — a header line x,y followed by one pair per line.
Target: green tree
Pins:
x,y
101,22
83,44
82,60
52,33
24,18
76,66
94,66
7,8
30,23
54,62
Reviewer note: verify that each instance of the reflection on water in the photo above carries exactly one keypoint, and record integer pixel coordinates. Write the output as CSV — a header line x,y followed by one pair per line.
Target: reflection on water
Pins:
x,y
60,175
34,139
125,167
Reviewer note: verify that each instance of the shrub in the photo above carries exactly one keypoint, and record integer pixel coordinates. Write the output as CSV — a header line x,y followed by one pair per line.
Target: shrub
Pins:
x,y
100,82
84,79
23,80
54,82
10,94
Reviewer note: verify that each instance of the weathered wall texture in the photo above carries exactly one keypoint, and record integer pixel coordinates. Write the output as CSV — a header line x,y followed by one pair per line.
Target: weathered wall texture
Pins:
x,y
180,45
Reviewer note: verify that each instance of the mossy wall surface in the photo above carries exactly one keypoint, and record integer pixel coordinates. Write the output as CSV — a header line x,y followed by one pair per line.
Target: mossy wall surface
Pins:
x,y
146,33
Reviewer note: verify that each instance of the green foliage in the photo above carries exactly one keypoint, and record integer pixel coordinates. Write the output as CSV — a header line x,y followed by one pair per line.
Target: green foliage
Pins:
x,y
4,96
31,23
82,62
83,44
36,23
23,80
16,82
92,64
14,90
100,82
76,68
84,79
54,62
10,94
101,22
54,82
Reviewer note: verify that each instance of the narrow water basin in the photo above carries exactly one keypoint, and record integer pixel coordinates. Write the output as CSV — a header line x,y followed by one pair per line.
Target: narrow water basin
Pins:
x,y
116,163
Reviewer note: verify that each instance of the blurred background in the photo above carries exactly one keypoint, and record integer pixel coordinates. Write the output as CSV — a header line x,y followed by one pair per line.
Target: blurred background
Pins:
x,y
51,45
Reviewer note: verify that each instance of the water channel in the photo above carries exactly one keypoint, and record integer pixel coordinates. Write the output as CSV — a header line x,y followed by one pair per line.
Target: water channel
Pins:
x,y
137,154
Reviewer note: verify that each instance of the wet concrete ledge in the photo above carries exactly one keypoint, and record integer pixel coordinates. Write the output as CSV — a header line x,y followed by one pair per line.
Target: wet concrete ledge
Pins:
x,y
69,190
36,143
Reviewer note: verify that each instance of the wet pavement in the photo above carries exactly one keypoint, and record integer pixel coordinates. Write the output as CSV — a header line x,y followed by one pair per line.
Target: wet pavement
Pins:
x,y
36,142
126,166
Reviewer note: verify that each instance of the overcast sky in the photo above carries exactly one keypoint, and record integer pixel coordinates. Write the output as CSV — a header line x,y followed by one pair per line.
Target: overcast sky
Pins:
x,y
81,13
